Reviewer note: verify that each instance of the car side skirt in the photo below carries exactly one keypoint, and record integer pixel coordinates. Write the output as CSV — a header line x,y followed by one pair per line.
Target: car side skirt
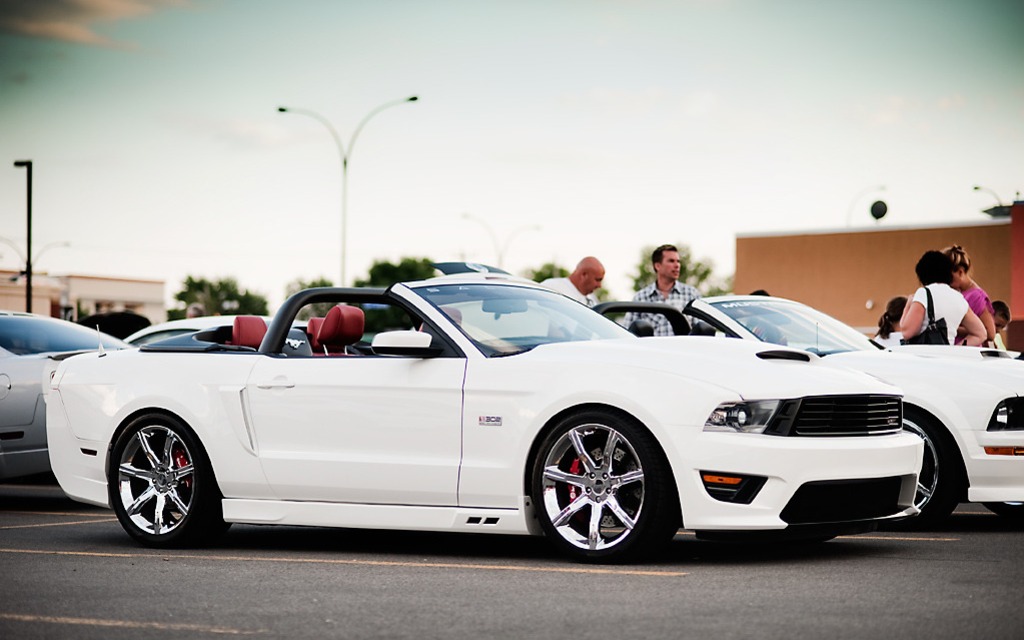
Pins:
x,y
519,521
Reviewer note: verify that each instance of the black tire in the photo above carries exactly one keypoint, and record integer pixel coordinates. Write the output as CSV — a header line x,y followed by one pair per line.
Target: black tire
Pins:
x,y
941,484
1010,510
161,485
598,511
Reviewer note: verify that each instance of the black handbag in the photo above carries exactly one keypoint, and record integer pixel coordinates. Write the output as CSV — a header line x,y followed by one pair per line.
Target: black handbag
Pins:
x,y
935,332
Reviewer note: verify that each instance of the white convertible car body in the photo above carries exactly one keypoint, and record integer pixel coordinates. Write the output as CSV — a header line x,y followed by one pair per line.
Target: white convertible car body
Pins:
x,y
487,406
965,402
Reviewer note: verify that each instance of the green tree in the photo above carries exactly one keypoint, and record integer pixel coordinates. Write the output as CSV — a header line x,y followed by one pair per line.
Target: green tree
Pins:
x,y
547,270
218,297
692,272
318,309
385,274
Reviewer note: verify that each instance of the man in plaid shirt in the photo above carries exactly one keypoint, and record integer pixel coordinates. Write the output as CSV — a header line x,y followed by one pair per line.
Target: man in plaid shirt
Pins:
x,y
665,289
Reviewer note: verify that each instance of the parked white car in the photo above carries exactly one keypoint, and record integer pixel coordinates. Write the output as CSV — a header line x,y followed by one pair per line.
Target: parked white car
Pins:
x,y
964,402
481,405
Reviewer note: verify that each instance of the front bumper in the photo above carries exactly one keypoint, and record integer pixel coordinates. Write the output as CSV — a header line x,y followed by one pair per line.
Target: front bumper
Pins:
x,y
809,481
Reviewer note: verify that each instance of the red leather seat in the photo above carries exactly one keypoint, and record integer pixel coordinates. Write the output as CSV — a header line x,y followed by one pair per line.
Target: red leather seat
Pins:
x,y
248,331
342,326
312,328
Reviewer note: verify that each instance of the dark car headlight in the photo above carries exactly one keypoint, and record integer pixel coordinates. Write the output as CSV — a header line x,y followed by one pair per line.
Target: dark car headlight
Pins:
x,y
1008,416
742,417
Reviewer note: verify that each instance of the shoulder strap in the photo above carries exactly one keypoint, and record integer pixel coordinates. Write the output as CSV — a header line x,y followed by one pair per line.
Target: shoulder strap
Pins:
x,y
931,307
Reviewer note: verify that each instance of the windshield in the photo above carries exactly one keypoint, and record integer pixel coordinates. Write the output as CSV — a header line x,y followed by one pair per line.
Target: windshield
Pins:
x,y
795,325
504,320
26,335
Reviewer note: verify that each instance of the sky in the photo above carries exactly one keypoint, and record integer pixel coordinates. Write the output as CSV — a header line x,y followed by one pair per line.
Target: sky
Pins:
x,y
544,131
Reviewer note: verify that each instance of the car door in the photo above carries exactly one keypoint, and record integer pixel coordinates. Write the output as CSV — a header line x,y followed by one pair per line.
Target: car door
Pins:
x,y
363,429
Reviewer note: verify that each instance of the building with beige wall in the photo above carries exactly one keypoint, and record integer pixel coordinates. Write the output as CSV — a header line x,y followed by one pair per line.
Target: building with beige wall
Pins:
x,y
851,274
74,296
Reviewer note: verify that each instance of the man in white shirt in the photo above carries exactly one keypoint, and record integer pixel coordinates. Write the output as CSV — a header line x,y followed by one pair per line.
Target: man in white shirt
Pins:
x,y
581,283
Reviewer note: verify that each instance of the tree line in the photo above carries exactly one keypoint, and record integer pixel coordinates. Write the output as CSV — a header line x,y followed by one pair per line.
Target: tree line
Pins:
x,y
226,297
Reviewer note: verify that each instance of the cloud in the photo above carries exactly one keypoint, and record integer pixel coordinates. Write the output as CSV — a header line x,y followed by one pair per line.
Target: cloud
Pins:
x,y
75,20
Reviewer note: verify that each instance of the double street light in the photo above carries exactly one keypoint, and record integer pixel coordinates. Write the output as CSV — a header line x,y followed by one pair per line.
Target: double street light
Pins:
x,y
1000,210
346,155
499,247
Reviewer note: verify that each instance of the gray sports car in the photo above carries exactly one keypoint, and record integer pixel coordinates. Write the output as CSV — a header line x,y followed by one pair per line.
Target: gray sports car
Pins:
x,y
30,347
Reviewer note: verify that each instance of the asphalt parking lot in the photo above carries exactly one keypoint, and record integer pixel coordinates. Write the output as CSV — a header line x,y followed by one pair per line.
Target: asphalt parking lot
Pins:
x,y
68,571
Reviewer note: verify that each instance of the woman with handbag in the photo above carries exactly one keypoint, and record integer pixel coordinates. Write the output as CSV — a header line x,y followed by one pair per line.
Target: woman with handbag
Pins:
x,y
936,310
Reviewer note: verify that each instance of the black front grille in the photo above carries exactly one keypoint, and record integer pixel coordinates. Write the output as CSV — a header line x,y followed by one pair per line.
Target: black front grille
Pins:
x,y
838,416
844,501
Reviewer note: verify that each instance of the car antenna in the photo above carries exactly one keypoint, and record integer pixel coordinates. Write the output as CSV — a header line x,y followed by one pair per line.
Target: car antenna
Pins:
x,y
99,338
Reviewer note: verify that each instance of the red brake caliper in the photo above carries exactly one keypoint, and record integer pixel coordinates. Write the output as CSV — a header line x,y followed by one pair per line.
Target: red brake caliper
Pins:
x,y
181,461
574,469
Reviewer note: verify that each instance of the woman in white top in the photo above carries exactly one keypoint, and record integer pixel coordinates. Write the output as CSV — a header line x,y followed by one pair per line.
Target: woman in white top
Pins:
x,y
935,271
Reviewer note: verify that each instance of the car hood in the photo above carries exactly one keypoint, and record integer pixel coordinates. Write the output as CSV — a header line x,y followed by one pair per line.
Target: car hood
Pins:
x,y
949,375
751,370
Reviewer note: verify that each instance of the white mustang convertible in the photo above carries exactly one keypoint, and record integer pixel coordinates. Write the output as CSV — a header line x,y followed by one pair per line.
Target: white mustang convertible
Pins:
x,y
476,404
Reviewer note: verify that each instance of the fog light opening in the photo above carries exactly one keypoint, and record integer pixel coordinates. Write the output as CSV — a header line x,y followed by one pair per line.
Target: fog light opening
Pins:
x,y
731,487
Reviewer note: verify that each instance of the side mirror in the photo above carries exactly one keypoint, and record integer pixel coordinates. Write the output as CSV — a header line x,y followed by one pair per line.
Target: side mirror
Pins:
x,y
404,343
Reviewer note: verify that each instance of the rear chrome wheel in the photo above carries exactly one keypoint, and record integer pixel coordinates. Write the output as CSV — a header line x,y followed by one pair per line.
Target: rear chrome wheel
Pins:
x,y
161,485
603,490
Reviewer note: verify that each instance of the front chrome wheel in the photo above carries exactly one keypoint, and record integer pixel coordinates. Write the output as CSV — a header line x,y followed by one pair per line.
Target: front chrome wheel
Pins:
x,y
942,481
928,480
603,490
593,487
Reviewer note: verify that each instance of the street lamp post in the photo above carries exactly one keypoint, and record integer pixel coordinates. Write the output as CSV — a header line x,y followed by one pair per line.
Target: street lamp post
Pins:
x,y
346,155
499,247
1000,210
28,238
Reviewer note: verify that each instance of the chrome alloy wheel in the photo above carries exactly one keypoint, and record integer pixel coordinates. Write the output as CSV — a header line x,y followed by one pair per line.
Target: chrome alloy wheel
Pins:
x,y
928,480
155,480
593,487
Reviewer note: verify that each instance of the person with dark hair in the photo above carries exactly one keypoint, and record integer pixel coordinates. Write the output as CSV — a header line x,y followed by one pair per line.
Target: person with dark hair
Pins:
x,y
976,297
935,273
1001,318
666,289
889,324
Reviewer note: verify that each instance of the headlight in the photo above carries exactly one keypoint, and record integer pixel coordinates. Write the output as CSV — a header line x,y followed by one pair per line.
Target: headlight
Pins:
x,y
1008,416
742,417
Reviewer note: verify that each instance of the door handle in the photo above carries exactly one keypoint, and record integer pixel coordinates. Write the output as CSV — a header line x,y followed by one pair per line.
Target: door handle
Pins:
x,y
276,383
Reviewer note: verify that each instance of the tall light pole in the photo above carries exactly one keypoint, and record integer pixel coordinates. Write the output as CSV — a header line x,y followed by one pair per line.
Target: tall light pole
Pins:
x,y
346,155
499,247
1000,210
28,238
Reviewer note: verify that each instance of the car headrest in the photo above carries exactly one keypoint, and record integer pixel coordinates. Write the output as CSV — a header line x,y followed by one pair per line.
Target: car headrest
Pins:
x,y
313,328
342,326
248,331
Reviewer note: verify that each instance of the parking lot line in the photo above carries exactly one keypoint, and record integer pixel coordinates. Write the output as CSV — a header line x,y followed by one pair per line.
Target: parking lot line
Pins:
x,y
898,538
370,563
56,524
861,536
127,624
